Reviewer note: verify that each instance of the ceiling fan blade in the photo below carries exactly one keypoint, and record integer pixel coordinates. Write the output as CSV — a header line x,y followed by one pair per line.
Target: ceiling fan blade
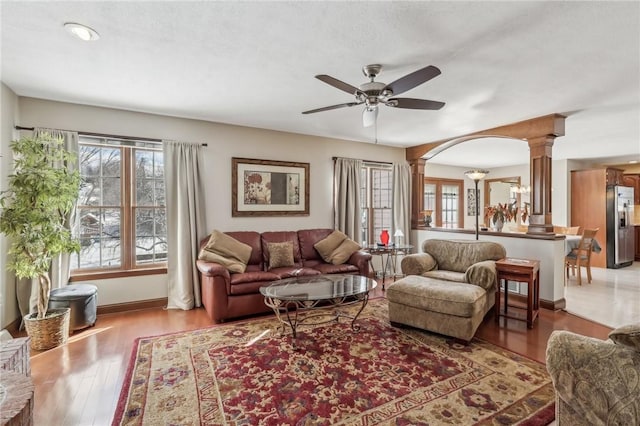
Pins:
x,y
327,108
345,87
369,116
412,80
410,103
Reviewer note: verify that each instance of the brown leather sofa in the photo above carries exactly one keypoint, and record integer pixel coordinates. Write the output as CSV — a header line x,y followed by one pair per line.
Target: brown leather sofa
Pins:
x,y
228,295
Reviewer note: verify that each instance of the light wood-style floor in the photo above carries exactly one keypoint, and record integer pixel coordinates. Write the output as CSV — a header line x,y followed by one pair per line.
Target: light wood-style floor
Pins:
x,y
79,384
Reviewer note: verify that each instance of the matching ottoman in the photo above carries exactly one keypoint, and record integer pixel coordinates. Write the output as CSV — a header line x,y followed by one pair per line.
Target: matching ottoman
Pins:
x,y
454,309
81,298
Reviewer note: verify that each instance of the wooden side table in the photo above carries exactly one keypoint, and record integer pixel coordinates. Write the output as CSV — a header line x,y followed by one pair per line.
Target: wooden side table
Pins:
x,y
520,270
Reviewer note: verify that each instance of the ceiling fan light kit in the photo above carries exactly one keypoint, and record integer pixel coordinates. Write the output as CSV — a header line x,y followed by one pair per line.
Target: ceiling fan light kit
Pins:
x,y
373,93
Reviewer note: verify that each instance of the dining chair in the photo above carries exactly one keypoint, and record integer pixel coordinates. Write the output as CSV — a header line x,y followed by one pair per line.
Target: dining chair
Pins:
x,y
581,256
572,230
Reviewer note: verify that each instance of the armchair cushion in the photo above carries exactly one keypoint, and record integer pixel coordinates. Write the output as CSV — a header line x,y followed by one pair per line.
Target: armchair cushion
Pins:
x,y
446,275
482,274
628,335
596,382
418,264
227,251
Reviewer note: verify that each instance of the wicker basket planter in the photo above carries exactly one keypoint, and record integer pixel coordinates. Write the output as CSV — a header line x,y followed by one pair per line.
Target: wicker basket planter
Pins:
x,y
49,332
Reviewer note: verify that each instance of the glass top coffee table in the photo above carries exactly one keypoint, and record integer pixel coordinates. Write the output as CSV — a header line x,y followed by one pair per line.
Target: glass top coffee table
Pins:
x,y
292,298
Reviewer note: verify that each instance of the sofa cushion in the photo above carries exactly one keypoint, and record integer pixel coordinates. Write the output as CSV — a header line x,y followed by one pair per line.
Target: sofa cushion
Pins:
x,y
627,335
434,295
280,254
252,239
308,238
344,251
336,248
250,282
249,277
281,237
227,251
290,272
328,245
329,268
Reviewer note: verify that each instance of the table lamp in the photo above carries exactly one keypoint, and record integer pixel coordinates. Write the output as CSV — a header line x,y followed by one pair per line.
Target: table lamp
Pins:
x,y
398,234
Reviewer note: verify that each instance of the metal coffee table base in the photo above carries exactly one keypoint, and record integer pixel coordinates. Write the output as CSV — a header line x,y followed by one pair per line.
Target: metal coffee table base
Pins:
x,y
296,313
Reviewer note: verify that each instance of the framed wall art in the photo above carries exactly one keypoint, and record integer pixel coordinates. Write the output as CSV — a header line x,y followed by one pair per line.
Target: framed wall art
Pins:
x,y
471,201
269,188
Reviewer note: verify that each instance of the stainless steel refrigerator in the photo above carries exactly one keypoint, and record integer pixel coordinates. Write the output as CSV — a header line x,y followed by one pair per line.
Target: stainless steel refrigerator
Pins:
x,y
620,231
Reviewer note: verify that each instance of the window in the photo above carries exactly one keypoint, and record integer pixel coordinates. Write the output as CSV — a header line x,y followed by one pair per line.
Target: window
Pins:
x,y
121,215
443,196
376,201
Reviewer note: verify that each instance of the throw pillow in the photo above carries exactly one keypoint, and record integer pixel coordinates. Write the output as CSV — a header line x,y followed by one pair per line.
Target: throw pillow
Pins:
x,y
327,245
344,251
227,251
628,335
280,254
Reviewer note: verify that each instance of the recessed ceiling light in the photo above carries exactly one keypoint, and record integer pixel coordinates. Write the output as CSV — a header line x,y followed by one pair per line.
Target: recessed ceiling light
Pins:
x,y
82,31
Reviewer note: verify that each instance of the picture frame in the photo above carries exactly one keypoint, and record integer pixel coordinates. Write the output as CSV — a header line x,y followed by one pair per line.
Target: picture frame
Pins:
x,y
269,188
471,201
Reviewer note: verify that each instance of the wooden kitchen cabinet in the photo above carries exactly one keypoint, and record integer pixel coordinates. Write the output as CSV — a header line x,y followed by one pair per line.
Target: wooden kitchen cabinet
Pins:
x,y
614,176
633,180
589,207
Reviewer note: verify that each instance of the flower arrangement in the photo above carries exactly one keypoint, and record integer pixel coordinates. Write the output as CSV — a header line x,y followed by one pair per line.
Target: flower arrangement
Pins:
x,y
502,212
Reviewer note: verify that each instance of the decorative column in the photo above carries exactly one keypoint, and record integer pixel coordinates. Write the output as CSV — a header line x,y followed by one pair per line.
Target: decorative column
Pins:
x,y
417,191
540,221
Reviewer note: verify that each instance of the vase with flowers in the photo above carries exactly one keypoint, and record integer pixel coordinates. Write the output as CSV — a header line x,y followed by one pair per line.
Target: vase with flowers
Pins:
x,y
500,214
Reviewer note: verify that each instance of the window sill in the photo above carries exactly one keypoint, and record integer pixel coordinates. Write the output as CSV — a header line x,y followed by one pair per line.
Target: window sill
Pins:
x,y
103,275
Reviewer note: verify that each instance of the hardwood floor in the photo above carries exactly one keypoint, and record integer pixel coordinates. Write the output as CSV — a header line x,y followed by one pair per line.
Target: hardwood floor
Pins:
x,y
79,384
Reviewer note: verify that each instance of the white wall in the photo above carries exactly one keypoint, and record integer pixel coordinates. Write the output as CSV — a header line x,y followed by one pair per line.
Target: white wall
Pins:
x,y
8,113
224,141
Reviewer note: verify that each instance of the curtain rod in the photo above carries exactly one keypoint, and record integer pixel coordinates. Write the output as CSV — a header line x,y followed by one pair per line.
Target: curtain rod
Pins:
x,y
364,161
103,135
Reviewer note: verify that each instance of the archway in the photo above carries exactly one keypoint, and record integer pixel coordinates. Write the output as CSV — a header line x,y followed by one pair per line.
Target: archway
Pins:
x,y
539,133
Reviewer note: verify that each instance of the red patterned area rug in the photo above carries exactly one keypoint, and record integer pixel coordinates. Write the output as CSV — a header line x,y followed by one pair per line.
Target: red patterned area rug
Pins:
x,y
248,374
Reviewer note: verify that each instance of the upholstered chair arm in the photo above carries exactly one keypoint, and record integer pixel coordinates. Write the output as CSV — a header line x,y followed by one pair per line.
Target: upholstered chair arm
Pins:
x,y
361,260
598,380
211,269
418,264
483,274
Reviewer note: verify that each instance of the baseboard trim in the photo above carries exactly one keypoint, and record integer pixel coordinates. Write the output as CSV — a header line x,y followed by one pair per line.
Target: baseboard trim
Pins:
x,y
132,306
546,304
14,327
554,305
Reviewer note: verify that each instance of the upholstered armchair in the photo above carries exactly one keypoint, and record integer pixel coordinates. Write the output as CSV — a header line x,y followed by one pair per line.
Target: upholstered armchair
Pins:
x,y
596,382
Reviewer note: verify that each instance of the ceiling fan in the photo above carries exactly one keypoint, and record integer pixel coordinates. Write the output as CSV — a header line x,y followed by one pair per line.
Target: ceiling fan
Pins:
x,y
374,93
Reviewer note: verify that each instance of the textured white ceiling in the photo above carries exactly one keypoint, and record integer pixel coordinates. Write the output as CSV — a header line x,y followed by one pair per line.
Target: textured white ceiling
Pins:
x,y
253,64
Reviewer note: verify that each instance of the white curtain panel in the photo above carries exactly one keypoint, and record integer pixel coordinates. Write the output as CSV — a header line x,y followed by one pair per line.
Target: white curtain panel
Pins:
x,y
402,199
346,193
185,222
60,271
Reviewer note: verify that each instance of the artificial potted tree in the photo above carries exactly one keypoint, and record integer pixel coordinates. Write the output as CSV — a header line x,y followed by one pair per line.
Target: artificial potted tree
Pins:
x,y
35,208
